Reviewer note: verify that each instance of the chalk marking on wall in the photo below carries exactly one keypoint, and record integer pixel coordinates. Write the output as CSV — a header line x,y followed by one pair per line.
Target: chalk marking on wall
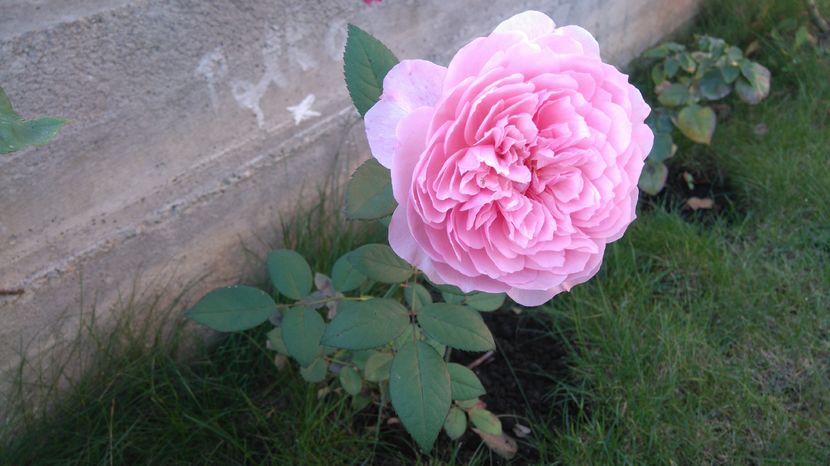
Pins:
x,y
248,94
213,67
303,111
335,39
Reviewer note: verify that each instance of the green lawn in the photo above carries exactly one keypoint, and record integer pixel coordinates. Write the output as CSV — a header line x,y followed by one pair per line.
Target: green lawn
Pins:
x,y
703,340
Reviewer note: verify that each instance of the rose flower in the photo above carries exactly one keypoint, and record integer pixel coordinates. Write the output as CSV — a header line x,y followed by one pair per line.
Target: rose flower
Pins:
x,y
515,165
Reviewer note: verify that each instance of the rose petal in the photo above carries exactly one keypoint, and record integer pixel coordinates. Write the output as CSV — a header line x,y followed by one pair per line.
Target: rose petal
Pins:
x,y
589,44
531,298
412,134
403,243
409,85
532,24
381,121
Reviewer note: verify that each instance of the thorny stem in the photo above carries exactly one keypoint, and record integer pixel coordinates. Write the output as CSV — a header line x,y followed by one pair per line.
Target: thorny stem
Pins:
x,y
481,360
412,312
340,361
302,303
380,416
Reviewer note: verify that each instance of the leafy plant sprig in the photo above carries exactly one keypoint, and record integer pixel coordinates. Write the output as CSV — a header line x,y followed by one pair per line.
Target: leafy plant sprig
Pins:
x,y
685,81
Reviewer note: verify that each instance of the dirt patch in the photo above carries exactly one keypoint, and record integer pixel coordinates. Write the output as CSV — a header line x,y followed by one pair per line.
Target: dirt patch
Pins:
x,y
696,195
520,379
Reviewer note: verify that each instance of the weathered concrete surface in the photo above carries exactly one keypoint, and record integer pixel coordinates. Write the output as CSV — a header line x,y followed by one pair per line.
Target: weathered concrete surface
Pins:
x,y
183,144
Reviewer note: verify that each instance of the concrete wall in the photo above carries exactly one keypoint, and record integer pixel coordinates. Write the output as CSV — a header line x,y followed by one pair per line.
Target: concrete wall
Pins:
x,y
182,144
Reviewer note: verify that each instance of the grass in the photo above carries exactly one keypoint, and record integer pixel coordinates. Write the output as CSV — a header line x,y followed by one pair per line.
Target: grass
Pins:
x,y
698,342
710,343
176,400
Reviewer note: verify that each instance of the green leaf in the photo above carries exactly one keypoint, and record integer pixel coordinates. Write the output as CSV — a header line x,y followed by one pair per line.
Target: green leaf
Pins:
x,y
469,404
315,372
17,134
730,73
359,358
662,149
485,421
233,309
802,36
350,380
377,367
713,86
440,348
674,95
485,302
369,192
713,45
453,298
660,121
344,277
465,384
420,391
674,46
40,131
366,324
653,177
302,328
671,67
755,87
734,54
404,338
417,296
456,326
6,109
697,123
656,52
658,73
502,445
365,63
686,62
290,273
380,263
275,341
456,423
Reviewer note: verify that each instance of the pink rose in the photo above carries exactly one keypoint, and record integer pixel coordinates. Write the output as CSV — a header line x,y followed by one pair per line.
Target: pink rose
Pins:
x,y
514,166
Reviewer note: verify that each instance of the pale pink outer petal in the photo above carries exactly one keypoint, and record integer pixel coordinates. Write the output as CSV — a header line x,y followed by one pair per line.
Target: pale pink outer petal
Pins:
x,y
532,298
412,134
589,44
381,121
471,60
409,85
405,246
531,23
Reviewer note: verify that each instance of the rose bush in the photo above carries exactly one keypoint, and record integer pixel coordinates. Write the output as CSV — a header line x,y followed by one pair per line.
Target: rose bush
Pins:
x,y
511,169
516,164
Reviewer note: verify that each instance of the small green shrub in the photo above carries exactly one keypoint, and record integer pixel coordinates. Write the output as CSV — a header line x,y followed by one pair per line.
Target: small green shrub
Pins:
x,y
685,80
